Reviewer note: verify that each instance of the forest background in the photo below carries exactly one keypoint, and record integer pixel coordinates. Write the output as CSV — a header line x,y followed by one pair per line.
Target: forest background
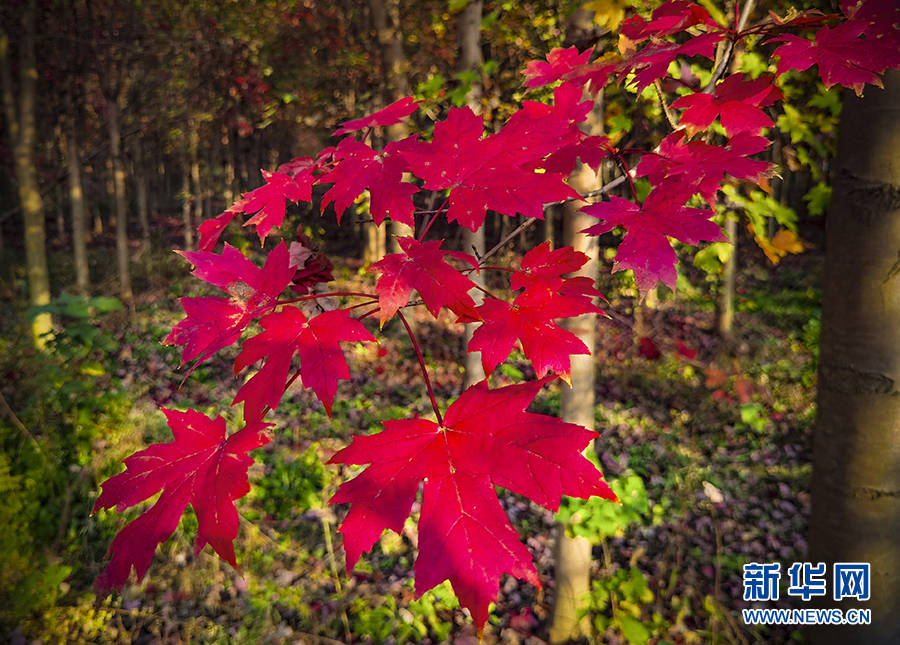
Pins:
x,y
160,115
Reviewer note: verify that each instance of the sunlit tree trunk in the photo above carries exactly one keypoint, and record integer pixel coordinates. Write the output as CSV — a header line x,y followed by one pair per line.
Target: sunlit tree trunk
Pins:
x,y
573,555
468,37
186,194
79,216
196,181
121,202
856,461
386,20
23,132
725,302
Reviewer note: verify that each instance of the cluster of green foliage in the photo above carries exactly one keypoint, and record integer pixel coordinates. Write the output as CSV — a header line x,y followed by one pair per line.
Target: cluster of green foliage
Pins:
x,y
66,404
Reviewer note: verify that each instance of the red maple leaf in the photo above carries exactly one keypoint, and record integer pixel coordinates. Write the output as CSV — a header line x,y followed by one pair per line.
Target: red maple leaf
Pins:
x,y
646,249
666,20
843,55
212,229
394,113
359,167
559,63
653,61
704,166
487,173
271,199
214,323
322,361
201,467
543,267
737,99
529,320
883,16
486,440
421,267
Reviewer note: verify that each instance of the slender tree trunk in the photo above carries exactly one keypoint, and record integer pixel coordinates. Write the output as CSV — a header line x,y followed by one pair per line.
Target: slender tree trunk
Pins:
x,y
468,37
140,176
186,194
856,478
725,303
230,187
79,217
573,555
23,132
118,167
386,20
195,174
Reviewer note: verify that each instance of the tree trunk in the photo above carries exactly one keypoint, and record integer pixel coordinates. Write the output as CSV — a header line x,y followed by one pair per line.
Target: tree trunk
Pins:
x,y
79,217
195,175
573,555
23,131
725,302
115,149
186,195
386,19
468,37
856,479
140,177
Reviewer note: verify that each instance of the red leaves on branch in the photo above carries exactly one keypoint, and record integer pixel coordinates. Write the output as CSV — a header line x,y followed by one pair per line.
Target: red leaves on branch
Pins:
x,y
394,113
646,249
666,20
359,168
487,173
214,323
703,166
737,101
271,199
559,63
529,318
844,55
487,439
201,467
322,361
653,61
421,267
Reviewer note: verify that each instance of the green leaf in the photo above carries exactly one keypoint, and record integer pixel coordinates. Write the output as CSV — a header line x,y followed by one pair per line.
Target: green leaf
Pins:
x,y
635,632
455,6
713,257
104,304
818,199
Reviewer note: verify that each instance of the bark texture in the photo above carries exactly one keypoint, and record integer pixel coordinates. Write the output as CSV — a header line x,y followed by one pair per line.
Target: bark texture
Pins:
x,y
468,37
573,555
856,463
23,133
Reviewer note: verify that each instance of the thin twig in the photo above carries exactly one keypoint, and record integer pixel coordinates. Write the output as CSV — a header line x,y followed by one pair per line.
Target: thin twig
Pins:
x,y
671,117
21,426
421,358
729,48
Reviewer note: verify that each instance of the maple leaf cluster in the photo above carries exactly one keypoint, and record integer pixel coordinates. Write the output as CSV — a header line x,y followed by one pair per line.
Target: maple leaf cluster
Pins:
x,y
487,438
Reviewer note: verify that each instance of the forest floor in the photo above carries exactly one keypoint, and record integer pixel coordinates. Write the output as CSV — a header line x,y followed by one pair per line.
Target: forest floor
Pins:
x,y
719,434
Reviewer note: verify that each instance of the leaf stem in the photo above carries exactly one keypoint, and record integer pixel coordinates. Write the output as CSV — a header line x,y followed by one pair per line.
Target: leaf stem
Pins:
x,y
433,218
328,295
421,358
